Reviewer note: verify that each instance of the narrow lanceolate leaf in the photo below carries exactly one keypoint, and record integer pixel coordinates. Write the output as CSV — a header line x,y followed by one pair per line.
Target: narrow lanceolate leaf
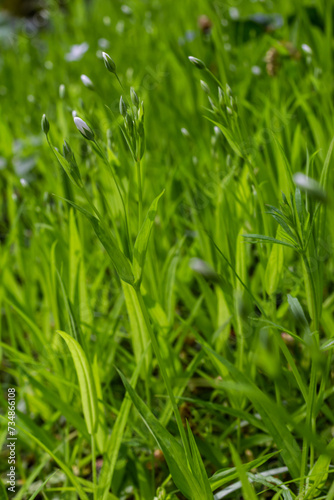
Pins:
x,y
299,314
139,333
86,382
119,260
274,268
227,475
172,450
271,414
247,488
38,490
317,476
141,243
267,239
197,466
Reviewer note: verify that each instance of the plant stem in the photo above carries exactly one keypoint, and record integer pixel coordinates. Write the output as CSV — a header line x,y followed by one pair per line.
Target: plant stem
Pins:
x,y
140,195
94,466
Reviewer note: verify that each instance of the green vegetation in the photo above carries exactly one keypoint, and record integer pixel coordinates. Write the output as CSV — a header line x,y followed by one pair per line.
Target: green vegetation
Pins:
x,y
167,286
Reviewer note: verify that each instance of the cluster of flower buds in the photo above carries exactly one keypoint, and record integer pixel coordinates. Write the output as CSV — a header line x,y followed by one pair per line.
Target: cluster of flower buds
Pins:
x,y
134,131
227,102
72,164
67,159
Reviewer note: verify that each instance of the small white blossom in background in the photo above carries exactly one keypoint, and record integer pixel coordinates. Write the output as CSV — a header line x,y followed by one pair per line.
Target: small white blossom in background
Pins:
x,y
76,52
306,48
256,70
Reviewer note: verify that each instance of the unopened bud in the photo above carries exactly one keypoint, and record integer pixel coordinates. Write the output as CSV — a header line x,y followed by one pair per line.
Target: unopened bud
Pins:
x,y
109,63
201,267
45,125
128,123
134,97
221,97
197,62
87,82
62,91
84,129
141,111
205,87
122,107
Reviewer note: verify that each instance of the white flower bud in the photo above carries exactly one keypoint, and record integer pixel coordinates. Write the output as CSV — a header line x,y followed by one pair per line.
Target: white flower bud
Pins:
x,y
84,129
87,82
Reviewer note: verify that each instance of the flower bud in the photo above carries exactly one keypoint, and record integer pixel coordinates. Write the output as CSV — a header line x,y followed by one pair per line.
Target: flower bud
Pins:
x,y
212,104
228,90
134,97
205,87
128,123
201,267
45,125
62,91
74,171
141,111
310,186
234,104
87,82
84,129
122,107
221,97
197,62
109,63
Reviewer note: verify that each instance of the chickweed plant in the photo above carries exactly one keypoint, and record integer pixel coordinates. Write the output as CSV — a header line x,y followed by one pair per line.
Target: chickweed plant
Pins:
x,y
167,289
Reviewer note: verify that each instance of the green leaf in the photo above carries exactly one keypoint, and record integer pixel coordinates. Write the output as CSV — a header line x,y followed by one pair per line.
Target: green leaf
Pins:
x,y
298,313
197,465
34,495
225,476
317,476
267,239
3,492
141,243
119,260
247,488
274,268
139,333
272,415
74,480
172,450
327,345
86,382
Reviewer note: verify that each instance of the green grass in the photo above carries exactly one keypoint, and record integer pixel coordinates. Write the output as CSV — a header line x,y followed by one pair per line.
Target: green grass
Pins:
x,y
166,283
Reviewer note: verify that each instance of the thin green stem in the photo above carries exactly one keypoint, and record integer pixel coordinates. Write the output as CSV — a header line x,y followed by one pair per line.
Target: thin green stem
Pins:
x,y
140,195
94,465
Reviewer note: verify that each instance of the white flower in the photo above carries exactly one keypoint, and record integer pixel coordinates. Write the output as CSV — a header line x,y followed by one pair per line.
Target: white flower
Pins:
x,y
76,52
